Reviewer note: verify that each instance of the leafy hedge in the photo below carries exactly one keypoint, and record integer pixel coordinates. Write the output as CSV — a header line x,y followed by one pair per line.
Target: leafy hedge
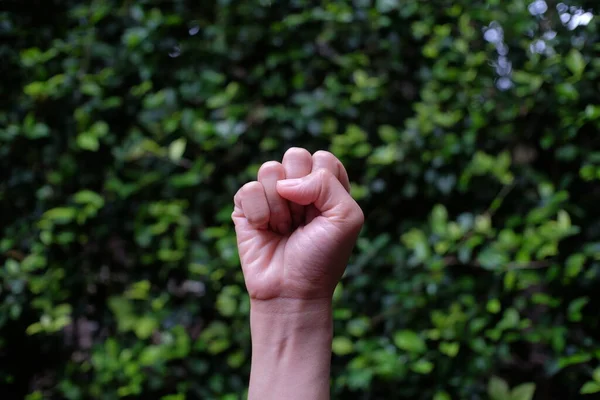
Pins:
x,y
470,131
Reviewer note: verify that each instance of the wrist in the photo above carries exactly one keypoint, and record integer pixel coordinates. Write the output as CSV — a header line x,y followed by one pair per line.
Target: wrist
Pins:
x,y
285,306
287,318
291,349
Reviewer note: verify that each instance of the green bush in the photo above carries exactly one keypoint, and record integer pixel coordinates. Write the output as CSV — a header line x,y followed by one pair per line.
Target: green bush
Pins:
x,y
470,132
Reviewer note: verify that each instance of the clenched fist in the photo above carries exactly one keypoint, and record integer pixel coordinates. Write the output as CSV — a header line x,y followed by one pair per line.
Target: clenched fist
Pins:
x,y
296,226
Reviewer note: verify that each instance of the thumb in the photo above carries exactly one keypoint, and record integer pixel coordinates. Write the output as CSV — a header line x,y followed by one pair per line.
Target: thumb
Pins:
x,y
325,191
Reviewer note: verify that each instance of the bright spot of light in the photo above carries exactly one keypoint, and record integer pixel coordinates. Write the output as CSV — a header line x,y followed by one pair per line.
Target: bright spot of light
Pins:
x,y
580,19
573,17
538,46
538,7
175,52
504,83
493,35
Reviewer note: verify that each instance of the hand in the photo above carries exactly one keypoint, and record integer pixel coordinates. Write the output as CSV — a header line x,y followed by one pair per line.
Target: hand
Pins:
x,y
296,227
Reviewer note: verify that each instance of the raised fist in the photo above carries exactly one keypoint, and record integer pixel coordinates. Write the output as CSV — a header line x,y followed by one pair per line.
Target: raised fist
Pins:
x,y
296,226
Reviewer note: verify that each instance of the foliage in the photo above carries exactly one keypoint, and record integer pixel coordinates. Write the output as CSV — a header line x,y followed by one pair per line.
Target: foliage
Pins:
x,y
469,129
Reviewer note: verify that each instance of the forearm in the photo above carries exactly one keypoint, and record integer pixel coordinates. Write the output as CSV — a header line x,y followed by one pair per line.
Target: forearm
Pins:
x,y
291,349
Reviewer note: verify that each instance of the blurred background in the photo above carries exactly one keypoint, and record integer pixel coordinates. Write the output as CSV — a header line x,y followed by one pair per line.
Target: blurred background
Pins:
x,y
470,132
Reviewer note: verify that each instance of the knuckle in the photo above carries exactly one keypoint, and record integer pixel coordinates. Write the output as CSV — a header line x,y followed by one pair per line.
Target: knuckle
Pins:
x,y
270,167
296,152
352,212
257,219
251,185
323,154
357,213
360,216
244,189
324,174
237,198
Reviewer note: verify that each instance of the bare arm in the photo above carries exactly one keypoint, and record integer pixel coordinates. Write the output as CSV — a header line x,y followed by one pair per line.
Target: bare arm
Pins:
x,y
291,350
296,226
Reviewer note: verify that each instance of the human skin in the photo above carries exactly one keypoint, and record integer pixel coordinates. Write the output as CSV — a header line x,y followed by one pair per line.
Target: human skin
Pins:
x,y
296,226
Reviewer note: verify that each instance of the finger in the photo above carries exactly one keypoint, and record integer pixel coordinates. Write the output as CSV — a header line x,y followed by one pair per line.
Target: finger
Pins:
x,y
343,176
251,203
325,159
321,160
297,162
328,195
279,219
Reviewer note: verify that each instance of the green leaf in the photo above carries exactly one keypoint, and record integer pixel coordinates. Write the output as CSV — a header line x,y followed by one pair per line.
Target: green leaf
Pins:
x,y
442,396
498,389
510,319
575,62
409,341
590,388
218,345
151,355
358,326
592,112
422,366
226,303
236,360
494,306
91,89
530,81
385,6
38,131
87,141
563,220
450,348
139,290
37,395
491,258
35,89
383,155
134,36
483,223
34,328
342,345
388,133
89,197
567,91
574,310
524,391
439,219
574,359
574,264
176,149
60,215
99,129
178,396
